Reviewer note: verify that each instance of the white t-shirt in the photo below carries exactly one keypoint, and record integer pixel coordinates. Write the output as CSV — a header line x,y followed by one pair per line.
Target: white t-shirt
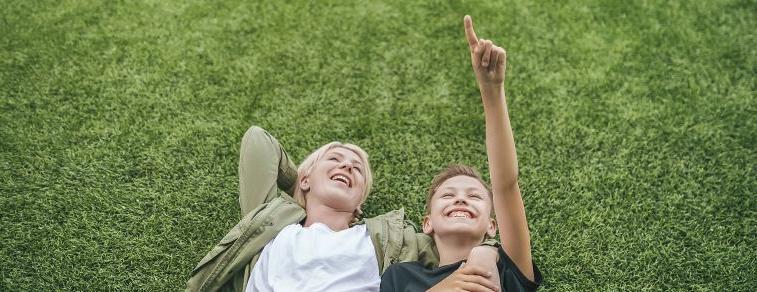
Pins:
x,y
316,258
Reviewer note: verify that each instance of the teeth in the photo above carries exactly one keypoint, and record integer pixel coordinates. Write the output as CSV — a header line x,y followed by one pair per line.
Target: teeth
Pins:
x,y
341,178
460,214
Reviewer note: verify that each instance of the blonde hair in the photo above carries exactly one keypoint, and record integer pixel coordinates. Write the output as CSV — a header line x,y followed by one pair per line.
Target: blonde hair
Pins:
x,y
307,166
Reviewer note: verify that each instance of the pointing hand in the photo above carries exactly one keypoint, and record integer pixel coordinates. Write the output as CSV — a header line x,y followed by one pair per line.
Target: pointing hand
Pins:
x,y
488,60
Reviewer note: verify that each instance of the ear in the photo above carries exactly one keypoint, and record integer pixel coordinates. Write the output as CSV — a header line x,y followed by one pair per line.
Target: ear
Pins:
x,y
358,211
492,229
305,184
427,229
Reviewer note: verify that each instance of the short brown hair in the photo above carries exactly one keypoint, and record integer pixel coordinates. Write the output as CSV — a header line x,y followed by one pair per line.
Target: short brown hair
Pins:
x,y
451,171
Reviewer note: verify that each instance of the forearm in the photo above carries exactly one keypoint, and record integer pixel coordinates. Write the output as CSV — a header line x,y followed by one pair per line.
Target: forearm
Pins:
x,y
486,257
500,144
489,63
503,168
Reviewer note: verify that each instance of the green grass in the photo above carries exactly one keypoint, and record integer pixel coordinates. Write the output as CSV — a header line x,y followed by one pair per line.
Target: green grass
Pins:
x,y
635,123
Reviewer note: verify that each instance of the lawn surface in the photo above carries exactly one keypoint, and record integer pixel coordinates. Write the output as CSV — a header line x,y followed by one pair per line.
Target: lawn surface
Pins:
x,y
635,123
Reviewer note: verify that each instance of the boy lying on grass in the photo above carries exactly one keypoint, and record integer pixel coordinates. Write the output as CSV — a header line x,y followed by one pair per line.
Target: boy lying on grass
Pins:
x,y
459,203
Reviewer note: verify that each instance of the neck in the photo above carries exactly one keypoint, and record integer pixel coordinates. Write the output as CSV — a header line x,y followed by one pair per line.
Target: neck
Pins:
x,y
334,219
454,248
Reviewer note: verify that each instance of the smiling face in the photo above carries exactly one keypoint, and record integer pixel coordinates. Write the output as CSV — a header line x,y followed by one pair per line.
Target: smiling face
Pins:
x,y
460,206
337,176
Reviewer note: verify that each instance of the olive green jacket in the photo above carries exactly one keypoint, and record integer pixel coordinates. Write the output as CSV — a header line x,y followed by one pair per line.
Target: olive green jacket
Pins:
x,y
227,266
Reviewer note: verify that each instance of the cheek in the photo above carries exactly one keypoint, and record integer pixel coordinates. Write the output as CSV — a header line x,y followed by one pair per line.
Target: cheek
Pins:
x,y
486,211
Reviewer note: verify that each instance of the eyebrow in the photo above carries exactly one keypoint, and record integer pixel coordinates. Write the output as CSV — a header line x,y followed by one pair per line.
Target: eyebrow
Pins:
x,y
466,190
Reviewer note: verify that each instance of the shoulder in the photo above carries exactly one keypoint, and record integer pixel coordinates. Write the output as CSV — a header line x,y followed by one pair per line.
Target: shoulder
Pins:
x,y
513,278
406,266
394,216
401,276
389,223
253,232
397,240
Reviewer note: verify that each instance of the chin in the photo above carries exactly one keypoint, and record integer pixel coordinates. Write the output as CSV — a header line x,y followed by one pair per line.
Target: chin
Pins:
x,y
338,197
337,192
460,230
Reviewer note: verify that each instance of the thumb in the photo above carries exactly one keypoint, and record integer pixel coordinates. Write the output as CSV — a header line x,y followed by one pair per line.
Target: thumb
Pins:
x,y
501,60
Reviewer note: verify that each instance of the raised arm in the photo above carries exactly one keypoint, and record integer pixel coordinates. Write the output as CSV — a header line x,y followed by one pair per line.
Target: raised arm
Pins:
x,y
488,62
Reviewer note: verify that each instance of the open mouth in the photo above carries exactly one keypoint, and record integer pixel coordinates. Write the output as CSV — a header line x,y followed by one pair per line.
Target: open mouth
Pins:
x,y
460,214
342,179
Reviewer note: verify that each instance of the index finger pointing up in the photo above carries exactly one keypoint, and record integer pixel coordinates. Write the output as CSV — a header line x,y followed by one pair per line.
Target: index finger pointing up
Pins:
x,y
469,33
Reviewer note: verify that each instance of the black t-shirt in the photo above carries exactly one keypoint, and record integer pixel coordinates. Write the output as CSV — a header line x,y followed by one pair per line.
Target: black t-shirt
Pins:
x,y
413,276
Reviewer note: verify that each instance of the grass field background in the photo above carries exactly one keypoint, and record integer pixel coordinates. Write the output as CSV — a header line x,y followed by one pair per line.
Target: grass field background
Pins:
x,y
635,124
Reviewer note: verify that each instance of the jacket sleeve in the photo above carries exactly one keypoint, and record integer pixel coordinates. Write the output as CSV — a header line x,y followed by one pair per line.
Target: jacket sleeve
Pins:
x,y
415,246
224,266
208,268
424,247
397,240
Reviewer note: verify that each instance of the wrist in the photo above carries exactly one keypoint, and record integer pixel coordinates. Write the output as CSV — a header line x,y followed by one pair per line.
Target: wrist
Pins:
x,y
484,252
492,94
488,83
489,87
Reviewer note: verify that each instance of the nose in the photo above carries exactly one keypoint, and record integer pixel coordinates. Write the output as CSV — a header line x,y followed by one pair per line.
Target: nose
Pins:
x,y
461,200
346,164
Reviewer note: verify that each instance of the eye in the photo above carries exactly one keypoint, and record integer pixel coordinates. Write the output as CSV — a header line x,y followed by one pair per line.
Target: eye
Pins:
x,y
477,196
447,195
358,169
333,158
